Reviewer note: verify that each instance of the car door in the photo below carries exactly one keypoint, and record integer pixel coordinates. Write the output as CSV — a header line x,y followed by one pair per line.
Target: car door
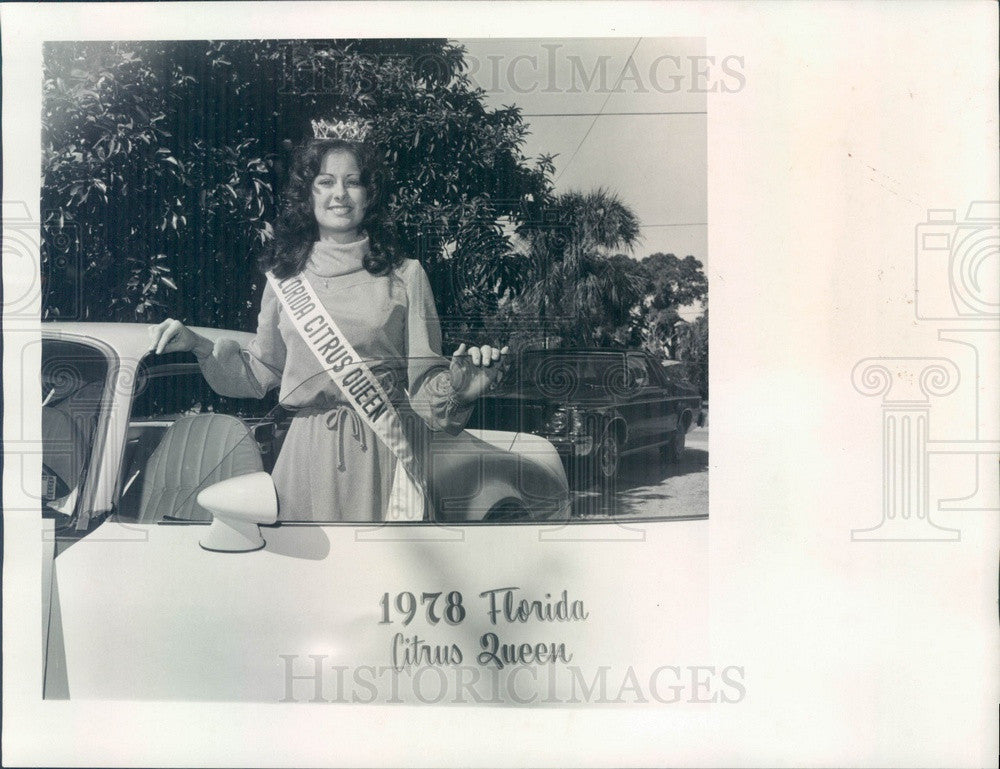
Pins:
x,y
659,417
641,414
77,380
684,400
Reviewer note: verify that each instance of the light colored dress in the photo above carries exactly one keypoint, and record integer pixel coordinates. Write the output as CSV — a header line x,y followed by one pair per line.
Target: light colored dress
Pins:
x,y
332,467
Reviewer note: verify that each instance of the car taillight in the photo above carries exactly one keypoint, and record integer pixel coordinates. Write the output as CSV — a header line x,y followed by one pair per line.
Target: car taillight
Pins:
x,y
557,421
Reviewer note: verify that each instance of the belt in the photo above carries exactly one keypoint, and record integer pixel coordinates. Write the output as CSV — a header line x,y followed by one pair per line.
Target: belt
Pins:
x,y
337,420
342,419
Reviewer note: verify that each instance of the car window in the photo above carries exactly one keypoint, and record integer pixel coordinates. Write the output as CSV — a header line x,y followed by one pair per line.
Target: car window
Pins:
x,y
638,371
571,375
168,458
73,378
676,374
170,386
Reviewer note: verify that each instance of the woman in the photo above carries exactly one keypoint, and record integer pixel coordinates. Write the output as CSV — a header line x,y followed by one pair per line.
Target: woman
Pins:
x,y
332,233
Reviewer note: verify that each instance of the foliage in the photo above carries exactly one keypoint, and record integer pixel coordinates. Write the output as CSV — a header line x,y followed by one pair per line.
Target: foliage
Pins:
x,y
673,283
692,348
152,206
581,292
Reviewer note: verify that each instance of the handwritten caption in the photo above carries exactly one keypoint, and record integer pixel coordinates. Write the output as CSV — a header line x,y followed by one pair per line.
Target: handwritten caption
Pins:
x,y
501,607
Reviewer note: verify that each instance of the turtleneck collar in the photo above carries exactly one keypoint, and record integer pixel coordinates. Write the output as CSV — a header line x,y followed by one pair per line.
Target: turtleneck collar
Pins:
x,y
328,258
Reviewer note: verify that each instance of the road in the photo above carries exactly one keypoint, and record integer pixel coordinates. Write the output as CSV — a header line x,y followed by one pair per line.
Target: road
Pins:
x,y
648,488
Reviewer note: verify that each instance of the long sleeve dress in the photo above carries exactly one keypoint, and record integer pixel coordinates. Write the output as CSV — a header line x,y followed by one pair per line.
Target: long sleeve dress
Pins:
x,y
332,466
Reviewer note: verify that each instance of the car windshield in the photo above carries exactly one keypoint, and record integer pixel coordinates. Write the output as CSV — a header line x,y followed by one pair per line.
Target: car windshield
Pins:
x,y
569,373
73,379
171,385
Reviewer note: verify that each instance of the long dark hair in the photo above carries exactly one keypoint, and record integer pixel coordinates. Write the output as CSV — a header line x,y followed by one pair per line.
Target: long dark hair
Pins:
x,y
296,229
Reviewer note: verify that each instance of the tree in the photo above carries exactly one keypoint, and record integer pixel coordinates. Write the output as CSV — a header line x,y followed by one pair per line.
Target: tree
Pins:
x,y
692,348
581,291
672,284
104,144
163,160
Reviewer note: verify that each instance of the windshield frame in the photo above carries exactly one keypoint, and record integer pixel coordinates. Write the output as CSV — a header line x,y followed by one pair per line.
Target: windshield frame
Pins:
x,y
87,505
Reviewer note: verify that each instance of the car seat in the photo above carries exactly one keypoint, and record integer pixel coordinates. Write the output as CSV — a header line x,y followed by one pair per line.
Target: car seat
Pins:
x,y
196,451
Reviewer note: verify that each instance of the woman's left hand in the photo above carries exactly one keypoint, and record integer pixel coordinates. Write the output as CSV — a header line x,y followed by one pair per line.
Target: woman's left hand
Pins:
x,y
474,370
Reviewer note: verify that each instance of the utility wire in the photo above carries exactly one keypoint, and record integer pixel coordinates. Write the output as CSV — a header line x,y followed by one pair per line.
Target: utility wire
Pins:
x,y
611,114
605,104
677,224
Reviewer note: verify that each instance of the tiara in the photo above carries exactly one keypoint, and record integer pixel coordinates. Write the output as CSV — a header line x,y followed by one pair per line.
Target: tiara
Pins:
x,y
346,130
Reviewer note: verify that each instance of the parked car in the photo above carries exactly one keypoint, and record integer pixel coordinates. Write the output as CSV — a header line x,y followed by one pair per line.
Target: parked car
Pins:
x,y
596,405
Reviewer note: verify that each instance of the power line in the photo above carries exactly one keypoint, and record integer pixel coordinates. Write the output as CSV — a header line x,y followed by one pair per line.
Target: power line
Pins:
x,y
677,224
611,114
605,104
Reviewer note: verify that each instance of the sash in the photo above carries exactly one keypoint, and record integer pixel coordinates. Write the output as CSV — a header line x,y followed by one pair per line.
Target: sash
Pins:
x,y
360,388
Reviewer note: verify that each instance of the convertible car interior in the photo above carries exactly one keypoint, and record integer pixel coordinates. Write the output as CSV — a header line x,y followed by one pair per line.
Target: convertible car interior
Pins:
x,y
183,437
194,452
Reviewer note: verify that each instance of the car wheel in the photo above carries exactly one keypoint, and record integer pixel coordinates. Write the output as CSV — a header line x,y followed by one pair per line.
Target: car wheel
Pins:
x,y
597,469
607,458
674,451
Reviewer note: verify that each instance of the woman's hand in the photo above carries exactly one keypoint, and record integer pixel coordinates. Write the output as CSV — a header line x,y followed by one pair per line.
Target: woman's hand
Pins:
x,y
174,336
474,370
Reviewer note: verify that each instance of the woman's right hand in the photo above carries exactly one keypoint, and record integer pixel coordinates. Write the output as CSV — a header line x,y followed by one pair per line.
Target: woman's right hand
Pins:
x,y
173,336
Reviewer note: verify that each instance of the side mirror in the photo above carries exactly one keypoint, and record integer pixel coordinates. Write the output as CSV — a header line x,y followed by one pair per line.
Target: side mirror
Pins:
x,y
238,505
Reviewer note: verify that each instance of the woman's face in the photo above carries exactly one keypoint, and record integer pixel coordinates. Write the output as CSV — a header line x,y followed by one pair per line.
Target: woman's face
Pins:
x,y
339,197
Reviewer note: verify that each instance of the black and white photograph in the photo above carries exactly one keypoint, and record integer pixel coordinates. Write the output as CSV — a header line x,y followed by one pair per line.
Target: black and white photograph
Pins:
x,y
358,406
288,284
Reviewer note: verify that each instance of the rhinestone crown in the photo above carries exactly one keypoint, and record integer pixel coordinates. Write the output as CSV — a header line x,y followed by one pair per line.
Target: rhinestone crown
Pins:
x,y
346,130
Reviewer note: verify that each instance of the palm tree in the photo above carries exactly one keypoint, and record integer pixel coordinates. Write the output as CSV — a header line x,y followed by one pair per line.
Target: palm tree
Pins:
x,y
581,287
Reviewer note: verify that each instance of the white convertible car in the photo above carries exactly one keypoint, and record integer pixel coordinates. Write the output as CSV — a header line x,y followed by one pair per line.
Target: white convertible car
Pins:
x,y
142,461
